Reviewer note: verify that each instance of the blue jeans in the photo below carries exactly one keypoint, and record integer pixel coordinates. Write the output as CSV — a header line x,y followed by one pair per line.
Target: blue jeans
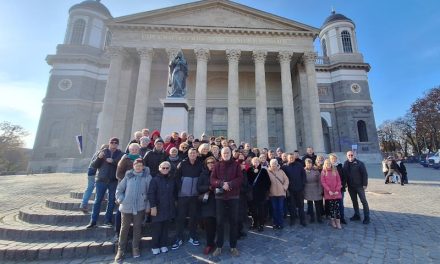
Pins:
x,y
341,205
277,209
101,188
88,191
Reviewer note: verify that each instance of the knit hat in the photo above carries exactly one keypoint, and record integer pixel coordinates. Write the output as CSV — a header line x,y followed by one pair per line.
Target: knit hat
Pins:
x,y
158,140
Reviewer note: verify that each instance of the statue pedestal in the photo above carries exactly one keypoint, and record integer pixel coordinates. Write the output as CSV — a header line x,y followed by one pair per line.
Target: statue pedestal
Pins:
x,y
175,115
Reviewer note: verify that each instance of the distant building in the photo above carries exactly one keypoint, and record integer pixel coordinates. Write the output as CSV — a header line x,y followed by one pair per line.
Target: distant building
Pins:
x,y
254,77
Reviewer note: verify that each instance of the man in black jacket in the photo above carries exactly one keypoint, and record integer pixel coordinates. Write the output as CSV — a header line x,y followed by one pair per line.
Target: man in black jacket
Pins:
x,y
187,176
357,181
155,157
106,162
297,181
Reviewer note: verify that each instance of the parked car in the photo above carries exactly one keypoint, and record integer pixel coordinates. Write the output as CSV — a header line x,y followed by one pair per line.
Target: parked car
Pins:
x,y
424,158
434,160
412,159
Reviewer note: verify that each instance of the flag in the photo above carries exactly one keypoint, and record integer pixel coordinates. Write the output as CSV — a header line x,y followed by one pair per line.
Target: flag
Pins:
x,y
79,142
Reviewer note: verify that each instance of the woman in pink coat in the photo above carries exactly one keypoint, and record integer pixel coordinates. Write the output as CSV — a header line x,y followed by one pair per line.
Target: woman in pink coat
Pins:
x,y
331,182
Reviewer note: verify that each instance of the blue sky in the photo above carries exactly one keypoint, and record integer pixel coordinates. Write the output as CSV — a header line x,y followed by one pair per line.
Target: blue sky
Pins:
x,y
399,39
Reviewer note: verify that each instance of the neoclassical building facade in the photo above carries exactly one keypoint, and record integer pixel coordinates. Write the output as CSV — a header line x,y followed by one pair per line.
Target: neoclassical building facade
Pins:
x,y
253,77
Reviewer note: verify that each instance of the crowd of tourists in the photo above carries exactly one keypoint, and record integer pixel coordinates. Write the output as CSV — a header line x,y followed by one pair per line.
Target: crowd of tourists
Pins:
x,y
214,181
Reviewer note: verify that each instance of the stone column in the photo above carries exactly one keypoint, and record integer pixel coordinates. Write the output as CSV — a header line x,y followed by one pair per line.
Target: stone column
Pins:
x,y
143,89
111,95
259,57
315,110
202,55
233,95
287,96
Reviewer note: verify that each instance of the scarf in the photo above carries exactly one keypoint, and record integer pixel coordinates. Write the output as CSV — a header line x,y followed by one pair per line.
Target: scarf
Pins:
x,y
133,157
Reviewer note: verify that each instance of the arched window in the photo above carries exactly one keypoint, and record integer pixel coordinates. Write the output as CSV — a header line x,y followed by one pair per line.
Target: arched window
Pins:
x,y
108,38
362,131
78,32
324,48
346,41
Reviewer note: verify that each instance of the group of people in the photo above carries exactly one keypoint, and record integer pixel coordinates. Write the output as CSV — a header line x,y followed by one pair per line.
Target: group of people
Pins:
x,y
213,180
394,170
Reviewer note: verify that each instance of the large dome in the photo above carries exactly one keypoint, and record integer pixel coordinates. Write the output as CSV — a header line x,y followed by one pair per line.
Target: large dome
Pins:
x,y
336,17
94,5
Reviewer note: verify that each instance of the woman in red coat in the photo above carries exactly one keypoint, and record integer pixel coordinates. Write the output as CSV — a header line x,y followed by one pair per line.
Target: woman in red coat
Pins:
x,y
331,182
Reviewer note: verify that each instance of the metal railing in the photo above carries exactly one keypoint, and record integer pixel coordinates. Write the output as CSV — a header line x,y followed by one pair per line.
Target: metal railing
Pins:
x,y
322,60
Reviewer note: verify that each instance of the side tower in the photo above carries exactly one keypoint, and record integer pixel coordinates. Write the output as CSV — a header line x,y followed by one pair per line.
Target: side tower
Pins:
x,y
75,91
346,106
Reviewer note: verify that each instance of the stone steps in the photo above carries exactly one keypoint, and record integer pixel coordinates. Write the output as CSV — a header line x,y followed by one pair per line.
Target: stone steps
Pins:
x,y
12,227
56,230
80,194
40,214
26,251
69,204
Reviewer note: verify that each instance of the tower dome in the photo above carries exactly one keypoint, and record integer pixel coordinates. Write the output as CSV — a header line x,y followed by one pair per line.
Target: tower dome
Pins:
x,y
335,17
94,5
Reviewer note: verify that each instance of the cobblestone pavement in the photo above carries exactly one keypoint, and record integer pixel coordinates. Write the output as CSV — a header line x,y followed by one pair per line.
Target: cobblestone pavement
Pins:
x,y
405,225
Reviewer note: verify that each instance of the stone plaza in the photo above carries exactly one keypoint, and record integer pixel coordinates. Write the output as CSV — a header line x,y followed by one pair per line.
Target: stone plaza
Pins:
x,y
404,227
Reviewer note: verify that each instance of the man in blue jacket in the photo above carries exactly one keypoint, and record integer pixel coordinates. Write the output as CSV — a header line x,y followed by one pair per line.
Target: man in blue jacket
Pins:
x,y
187,176
106,163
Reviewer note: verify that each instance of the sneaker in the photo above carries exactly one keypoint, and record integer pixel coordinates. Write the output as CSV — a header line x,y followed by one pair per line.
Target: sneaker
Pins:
x,y
177,244
91,225
84,210
136,253
217,252
164,249
108,224
234,252
156,251
366,221
355,218
194,242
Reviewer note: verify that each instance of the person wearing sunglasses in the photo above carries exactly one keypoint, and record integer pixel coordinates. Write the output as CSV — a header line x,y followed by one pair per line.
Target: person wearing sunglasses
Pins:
x,y
106,162
162,195
357,182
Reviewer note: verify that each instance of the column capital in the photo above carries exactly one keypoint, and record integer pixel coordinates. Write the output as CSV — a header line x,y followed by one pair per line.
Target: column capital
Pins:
x,y
172,53
309,57
259,55
202,54
233,55
115,51
285,56
145,52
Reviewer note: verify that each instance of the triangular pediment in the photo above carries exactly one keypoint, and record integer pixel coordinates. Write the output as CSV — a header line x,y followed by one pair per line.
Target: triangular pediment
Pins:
x,y
214,13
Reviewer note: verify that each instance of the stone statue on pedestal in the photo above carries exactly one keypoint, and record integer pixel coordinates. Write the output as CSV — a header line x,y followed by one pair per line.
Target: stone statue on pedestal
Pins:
x,y
177,76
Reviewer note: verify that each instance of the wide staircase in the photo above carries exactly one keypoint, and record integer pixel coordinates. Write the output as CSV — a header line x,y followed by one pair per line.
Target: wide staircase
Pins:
x,y
54,230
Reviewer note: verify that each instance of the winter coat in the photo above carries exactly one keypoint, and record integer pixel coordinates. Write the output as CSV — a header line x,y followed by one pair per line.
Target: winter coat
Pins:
x,y
187,175
356,173
162,195
313,187
174,163
153,159
297,176
307,156
124,165
203,185
331,181
402,167
227,171
279,183
131,192
260,187
342,176
107,171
